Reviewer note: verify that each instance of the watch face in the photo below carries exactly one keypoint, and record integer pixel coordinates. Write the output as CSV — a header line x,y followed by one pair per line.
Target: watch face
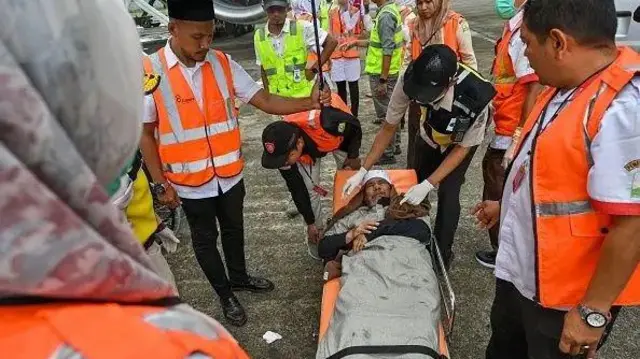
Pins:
x,y
596,320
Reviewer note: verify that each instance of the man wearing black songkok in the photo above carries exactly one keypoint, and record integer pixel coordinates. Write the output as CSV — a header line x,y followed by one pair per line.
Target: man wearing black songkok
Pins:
x,y
195,159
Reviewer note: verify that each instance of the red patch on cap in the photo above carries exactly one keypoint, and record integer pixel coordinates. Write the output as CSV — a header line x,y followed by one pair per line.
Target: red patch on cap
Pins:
x,y
270,147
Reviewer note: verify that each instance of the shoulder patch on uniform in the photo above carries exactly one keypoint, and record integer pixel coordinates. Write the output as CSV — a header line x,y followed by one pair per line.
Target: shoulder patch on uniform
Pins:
x,y
341,127
150,83
632,165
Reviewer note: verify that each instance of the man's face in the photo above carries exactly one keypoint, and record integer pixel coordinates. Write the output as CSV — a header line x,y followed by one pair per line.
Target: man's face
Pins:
x,y
296,153
545,57
276,14
426,8
192,37
376,189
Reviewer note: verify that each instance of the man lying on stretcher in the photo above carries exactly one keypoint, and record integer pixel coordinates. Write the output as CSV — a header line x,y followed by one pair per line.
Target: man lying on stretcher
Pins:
x,y
372,213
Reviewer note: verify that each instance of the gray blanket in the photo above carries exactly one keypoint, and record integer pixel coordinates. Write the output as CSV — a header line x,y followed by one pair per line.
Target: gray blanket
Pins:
x,y
389,296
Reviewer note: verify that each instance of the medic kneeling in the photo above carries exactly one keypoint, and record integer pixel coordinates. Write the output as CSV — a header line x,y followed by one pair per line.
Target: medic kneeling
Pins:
x,y
296,147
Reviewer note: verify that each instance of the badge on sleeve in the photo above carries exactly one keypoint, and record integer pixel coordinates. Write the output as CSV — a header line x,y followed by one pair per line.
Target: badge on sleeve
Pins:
x,y
633,167
341,127
150,83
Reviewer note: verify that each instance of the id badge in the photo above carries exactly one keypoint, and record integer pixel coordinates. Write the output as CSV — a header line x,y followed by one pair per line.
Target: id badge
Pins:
x,y
297,76
519,177
321,191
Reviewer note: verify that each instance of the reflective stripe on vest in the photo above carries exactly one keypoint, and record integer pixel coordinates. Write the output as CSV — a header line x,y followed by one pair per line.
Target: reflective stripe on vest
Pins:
x,y
449,35
59,331
206,142
569,232
375,53
286,73
509,100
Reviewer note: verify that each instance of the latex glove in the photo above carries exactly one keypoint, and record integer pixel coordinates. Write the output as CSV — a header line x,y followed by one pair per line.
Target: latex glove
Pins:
x,y
168,239
353,182
417,193
511,151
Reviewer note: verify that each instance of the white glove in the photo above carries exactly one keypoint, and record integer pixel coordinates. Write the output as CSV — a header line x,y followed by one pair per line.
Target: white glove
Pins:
x,y
169,240
417,193
353,182
511,151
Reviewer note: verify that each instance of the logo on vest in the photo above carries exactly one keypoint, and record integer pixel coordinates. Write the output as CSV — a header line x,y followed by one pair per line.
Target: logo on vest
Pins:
x,y
632,167
270,147
179,99
341,127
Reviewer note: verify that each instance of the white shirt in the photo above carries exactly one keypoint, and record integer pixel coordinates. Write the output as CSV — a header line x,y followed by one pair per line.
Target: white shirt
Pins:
x,y
245,88
613,185
350,21
521,67
278,40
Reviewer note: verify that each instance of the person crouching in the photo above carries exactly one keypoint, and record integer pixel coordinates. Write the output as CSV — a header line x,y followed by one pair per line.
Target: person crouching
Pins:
x,y
296,147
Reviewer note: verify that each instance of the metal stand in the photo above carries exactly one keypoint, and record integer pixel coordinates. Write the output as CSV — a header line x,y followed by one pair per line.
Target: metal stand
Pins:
x,y
146,7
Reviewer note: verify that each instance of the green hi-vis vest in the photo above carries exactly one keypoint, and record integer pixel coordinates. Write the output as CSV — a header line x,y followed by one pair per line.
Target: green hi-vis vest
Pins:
x,y
374,52
286,74
325,6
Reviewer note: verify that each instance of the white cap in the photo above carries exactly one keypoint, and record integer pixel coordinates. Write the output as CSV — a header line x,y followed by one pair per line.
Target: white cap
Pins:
x,y
382,174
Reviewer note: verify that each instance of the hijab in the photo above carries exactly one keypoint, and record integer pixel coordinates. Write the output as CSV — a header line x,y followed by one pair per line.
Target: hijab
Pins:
x,y
70,121
428,31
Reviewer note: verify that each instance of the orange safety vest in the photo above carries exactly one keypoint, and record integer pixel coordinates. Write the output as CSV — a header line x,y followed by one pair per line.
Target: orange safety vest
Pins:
x,y
105,331
312,57
309,122
337,30
569,234
511,94
449,34
195,147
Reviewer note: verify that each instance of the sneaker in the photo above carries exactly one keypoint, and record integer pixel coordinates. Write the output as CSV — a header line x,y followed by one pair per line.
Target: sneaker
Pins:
x,y
487,258
386,160
398,150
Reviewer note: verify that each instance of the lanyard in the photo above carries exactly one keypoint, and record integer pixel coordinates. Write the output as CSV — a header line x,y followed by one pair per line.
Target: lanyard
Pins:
x,y
565,102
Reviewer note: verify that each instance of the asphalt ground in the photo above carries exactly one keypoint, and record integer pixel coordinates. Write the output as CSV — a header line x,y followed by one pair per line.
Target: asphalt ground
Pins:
x,y
275,244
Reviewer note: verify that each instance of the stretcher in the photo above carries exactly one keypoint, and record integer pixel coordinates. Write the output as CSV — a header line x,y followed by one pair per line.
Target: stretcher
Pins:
x,y
402,180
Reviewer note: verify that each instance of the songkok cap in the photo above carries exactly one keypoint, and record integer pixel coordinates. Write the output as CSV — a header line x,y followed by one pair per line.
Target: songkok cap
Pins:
x,y
191,10
373,174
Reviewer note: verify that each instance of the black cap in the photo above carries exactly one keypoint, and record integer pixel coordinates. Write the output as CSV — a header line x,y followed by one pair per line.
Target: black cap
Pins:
x,y
269,3
191,10
430,74
278,139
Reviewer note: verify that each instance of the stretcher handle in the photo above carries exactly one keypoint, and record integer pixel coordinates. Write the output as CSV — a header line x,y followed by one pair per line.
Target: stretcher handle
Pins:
x,y
446,289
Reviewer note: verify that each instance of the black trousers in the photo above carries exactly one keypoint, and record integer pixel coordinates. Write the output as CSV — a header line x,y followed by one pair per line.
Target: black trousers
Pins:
x,y
354,95
203,216
428,159
523,329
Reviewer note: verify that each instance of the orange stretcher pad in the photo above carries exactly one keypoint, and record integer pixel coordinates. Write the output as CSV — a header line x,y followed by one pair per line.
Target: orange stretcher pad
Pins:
x,y
402,180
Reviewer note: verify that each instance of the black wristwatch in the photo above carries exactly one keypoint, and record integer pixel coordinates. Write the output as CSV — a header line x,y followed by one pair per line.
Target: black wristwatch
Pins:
x,y
382,81
159,189
594,318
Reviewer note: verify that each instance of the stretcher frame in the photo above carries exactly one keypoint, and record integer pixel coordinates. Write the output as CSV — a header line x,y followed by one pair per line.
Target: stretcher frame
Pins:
x,y
402,180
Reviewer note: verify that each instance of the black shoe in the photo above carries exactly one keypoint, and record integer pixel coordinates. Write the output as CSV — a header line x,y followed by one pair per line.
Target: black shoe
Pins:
x,y
377,122
233,311
487,258
386,160
398,151
253,284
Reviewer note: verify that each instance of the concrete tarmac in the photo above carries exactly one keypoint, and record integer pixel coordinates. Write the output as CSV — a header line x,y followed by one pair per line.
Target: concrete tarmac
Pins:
x,y
275,245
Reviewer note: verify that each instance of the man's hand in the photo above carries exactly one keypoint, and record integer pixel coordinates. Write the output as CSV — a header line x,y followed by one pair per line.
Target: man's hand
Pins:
x,y
320,99
170,197
168,239
577,335
365,227
487,214
353,182
417,193
352,164
358,243
381,90
313,234
309,70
